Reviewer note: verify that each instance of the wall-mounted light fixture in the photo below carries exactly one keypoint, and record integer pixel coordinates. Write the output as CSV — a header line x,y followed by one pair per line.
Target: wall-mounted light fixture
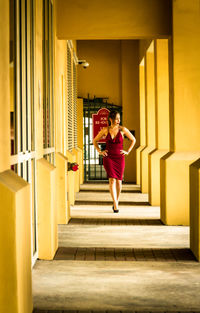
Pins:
x,y
83,63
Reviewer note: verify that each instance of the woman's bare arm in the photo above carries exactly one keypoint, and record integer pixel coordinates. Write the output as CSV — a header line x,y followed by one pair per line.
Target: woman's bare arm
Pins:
x,y
102,133
130,137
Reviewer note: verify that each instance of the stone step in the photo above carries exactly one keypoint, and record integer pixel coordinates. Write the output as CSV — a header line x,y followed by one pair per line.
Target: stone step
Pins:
x,y
127,212
104,198
116,232
128,188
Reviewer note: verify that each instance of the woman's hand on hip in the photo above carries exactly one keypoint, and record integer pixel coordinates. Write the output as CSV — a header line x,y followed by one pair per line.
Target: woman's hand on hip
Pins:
x,y
123,152
103,153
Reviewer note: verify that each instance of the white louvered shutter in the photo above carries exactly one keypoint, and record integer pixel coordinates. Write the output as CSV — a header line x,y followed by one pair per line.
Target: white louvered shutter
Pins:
x,y
69,99
75,104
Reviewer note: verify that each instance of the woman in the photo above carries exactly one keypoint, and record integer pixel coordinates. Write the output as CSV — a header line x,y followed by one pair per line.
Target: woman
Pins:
x,y
113,155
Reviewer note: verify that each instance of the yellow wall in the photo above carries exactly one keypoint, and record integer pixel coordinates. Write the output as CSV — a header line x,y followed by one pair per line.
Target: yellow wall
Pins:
x,y
103,76
4,84
94,19
15,243
186,75
130,101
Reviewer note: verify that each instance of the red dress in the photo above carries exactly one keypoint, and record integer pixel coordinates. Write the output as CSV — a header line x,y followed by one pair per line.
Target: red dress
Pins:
x,y
114,162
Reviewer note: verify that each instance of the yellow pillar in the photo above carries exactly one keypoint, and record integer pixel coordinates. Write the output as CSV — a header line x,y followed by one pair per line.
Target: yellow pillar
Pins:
x,y
142,121
130,100
81,166
47,215
186,77
71,180
4,86
150,122
15,243
162,118
77,173
63,214
80,137
80,123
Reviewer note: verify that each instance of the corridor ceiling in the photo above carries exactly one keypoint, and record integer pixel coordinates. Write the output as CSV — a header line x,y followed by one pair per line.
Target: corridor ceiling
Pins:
x,y
113,19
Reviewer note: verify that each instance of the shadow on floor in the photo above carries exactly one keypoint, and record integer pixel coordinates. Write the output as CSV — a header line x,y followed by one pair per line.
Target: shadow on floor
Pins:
x,y
110,222
124,254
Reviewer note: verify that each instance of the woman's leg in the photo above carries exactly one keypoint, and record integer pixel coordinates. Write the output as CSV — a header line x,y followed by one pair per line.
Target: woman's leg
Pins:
x,y
113,191
118,188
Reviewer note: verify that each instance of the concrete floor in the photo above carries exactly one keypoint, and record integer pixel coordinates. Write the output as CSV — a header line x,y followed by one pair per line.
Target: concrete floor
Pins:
x,y
104,284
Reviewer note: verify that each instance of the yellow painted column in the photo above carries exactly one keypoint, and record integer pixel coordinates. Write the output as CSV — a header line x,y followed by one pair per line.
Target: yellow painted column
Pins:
x,y
71,180
195,208
77,173
142,121
175,180
80,123
151,119
4,86
80,136
63,214
162,118
130,101
15,243
81,166
47,210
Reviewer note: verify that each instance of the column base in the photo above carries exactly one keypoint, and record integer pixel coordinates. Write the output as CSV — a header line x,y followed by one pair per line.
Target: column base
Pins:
x,y
154,176
174,186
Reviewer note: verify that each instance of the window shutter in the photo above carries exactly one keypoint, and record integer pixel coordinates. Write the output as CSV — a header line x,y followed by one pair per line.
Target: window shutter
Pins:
x,y
75,104
69,99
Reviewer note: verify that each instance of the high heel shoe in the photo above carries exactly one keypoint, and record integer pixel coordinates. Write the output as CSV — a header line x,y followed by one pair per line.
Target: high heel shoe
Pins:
x,y
115,211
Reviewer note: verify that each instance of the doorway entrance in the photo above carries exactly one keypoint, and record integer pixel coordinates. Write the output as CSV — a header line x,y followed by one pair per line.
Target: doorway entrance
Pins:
x,y
93,162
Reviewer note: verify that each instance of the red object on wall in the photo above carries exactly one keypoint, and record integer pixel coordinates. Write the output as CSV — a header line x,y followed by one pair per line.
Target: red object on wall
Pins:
x,y
99,121
72,166
75,167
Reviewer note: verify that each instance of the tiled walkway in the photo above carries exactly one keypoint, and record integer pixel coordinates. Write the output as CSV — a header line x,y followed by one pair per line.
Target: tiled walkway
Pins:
x,y
125,262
